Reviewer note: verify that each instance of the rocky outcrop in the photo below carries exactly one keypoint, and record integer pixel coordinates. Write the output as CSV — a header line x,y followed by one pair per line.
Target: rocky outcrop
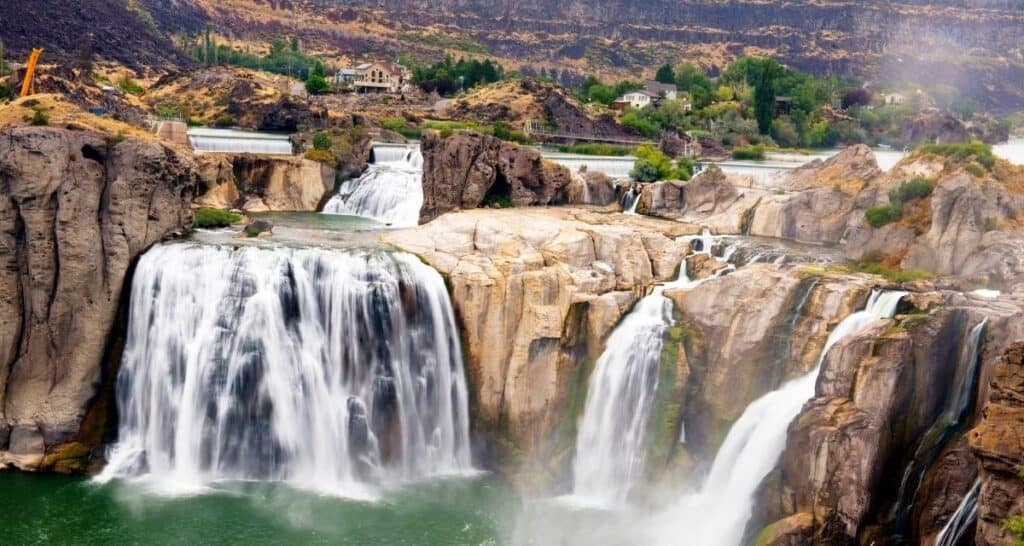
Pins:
x,y
256,183
879,419
591,188
468,170
813,203
537,291
711,199
998,442
933,125
79,207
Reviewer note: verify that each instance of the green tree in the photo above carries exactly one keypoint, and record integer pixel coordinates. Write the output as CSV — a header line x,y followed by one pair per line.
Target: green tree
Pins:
x,y
665,74
764,96
316,83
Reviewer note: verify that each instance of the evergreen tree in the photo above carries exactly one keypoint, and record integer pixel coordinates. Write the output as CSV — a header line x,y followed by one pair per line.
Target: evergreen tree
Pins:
x,y
764,96
665,74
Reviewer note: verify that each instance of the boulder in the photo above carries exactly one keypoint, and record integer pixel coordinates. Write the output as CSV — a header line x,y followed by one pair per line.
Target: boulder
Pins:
x,y
79,208
468,170
711,199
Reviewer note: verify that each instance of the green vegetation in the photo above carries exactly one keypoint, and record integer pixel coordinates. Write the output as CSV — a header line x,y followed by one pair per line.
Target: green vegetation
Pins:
x,y
755,153
916,188
498,201
5,93
448,77
978,151
284,56
207,217
1015,525
321,141
894,275
129,86
596,149
400,126
652,165
595,91
224,120
975,170
39,117
881,215
316,83
504,131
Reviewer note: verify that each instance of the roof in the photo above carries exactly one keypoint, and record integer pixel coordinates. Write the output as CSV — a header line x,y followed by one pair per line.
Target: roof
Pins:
x,y
657,87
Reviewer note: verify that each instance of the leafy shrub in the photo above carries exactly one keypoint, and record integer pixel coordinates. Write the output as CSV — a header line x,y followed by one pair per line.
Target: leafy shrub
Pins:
x,y
224,120
749,153
39,117
962,151
916,188
208,217
1015,525
321,141
596,149
129,86
322,156
644,171
316,83
684,168
652,165
5,93
883,214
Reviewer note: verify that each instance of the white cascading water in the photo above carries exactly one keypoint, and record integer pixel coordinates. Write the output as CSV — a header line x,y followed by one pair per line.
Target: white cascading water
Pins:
x,y
331,370
390,191
717,514
234,141
966,513
611,443
630,200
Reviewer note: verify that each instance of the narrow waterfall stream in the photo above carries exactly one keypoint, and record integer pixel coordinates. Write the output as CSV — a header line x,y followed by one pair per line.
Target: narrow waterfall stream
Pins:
x,y
966,514
717,514
334,371
390,191
956,412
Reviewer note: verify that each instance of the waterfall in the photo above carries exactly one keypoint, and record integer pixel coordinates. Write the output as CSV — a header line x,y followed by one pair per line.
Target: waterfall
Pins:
x,y
717,514
330,370
390,191
630,200
234,141
965,515
958,408
611,443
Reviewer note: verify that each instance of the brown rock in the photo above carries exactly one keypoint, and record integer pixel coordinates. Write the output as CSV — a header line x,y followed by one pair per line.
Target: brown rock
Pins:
x,y
263,183
78,210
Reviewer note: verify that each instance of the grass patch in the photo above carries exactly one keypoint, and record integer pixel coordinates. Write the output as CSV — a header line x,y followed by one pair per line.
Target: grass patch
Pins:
x,y
596,149
129,86
883,214
894,275
208,217
916,188
975,170
962,151
754,153
499,201
401,126
322,156
1015,525
39,117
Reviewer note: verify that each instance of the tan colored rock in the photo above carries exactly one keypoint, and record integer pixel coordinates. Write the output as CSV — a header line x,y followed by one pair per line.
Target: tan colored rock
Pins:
x,y
77,212
712,199
263,183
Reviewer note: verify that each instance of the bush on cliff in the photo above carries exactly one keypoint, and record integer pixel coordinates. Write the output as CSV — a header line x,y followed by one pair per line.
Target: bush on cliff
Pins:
x,y
652,165
963,151
883,214
916,188
321,141
5,93
207,217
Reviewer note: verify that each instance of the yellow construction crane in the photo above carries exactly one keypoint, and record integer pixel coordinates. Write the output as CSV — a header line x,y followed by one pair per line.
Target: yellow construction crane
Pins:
x,y
30,72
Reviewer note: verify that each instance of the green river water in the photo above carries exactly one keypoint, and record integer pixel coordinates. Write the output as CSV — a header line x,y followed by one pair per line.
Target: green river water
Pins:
x,y
481,510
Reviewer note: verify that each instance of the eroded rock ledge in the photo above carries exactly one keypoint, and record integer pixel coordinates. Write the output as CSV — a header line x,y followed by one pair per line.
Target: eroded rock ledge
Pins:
x,y
79,207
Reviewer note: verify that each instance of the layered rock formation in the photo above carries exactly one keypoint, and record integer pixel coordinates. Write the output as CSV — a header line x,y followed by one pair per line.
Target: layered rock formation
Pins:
x,y
79,208
256,183
467,170
998,442
712,198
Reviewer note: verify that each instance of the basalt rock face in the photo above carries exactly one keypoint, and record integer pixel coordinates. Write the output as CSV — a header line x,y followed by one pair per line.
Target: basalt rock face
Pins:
x,y
78,209
467,170
998,442
813,203
258,183
878,423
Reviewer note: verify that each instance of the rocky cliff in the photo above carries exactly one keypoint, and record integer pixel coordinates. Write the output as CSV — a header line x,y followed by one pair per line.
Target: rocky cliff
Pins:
x,y
263,183
78,208
468,170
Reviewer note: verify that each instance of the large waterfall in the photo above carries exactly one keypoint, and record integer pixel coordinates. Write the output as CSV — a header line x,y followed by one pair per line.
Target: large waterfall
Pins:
x,y
235,141
390,191
330,370
717,514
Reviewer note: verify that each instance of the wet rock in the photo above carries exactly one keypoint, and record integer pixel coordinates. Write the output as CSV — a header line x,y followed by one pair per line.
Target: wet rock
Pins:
x,y
257,228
